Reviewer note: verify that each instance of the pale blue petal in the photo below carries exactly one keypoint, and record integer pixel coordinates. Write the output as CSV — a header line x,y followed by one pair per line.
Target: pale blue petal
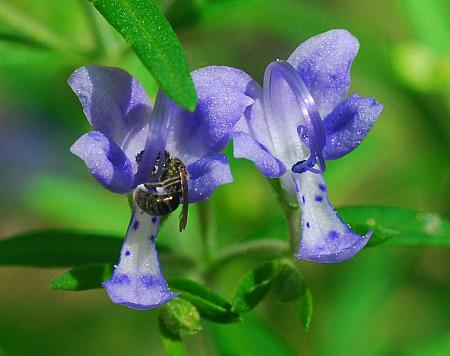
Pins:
x,y
325,237
324,63
349,124
115,104
106,161
137,281
206,175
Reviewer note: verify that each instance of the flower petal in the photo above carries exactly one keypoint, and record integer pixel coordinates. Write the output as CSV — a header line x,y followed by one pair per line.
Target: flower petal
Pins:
x,y
324,62
105,160
348,124
288,104
206,175
115,104
222,100
251,137
245,146
137,281
325,237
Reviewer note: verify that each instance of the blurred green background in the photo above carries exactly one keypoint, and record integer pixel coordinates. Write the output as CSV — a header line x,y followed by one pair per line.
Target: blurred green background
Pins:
x,y
383,302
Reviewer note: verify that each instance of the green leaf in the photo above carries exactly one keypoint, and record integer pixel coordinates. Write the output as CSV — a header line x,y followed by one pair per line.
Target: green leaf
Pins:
x,y
304,307
394,226
59,248
145,28
173,344
254,286
288,285
83,277
180,317
210,305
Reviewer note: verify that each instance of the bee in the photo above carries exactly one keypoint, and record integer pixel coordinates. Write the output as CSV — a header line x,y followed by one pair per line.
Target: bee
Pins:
x,y
165,195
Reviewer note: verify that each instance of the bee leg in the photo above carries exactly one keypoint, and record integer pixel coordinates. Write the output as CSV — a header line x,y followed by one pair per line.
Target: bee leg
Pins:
x,y
184,210
151,187
171,182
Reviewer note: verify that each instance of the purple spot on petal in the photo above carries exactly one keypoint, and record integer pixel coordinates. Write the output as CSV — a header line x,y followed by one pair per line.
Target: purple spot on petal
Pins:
x,y
121,279
154,220
319,249
307,225
318,198
322,187
150,281
136,225
303,199
333,235
152,238
127,253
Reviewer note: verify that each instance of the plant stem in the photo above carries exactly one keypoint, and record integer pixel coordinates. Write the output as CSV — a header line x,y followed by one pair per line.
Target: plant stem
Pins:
x,y
32,30
207,232
92,20
292,213
293,220
261,248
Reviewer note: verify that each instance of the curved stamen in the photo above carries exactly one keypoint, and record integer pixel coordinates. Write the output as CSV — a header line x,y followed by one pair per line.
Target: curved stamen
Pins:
x,y
311,132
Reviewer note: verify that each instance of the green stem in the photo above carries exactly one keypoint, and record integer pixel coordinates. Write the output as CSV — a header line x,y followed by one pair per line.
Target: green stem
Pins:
x,y
205,215
293,220
292,213
32,30
267,249
92,20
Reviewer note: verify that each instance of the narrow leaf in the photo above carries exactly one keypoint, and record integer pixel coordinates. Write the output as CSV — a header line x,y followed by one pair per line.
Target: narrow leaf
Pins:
x,y
145,28
394,226
83,277
304,306
61,248
288,285
254,286
210,305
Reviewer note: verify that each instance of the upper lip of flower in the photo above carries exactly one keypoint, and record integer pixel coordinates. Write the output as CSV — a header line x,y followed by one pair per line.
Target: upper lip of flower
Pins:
x,y
118,109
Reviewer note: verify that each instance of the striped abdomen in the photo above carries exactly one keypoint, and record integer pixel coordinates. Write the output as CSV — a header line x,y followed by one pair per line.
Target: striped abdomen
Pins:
x,y
157,205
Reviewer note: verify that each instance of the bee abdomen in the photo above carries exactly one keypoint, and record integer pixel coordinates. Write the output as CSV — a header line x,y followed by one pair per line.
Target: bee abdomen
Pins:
x,y
156,205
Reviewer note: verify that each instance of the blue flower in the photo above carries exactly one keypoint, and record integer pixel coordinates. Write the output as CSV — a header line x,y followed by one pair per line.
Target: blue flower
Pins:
x,y
299,120
122,151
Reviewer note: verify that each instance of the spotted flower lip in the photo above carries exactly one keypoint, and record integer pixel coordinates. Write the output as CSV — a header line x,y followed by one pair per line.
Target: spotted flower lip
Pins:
x,y
299,120
126,127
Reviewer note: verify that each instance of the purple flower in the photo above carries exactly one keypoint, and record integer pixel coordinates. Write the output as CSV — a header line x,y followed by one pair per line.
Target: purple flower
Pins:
x,y
122,151
300,119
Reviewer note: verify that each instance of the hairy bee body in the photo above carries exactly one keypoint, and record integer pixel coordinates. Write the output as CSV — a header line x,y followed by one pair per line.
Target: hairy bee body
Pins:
x,y
157,205
164,195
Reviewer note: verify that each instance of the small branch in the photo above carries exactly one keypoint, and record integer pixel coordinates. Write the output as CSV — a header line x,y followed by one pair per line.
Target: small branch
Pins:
x,y
32,30
261,248
205,214
293,220
92,20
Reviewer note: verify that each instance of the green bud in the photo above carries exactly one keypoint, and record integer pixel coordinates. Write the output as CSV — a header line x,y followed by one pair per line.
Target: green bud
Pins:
x,y
180,317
